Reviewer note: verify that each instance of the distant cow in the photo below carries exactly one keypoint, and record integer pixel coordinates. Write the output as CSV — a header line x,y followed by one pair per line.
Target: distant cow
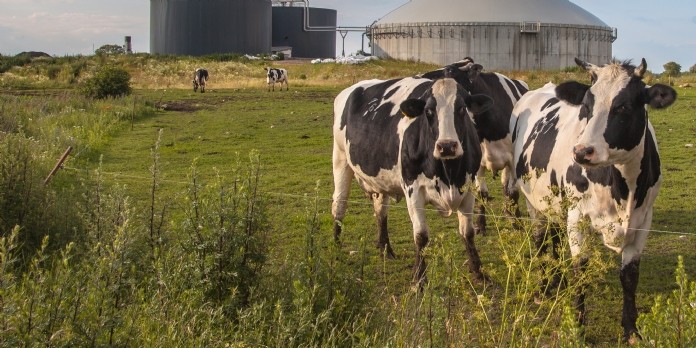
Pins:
x,y
589,152
200,76
274,76
411,138
493,127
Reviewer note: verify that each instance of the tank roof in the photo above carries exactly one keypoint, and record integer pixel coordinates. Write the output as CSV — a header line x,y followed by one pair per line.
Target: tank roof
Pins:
x,y
491,11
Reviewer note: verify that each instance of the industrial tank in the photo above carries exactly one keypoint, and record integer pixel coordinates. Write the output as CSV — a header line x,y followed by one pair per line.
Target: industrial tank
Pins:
x,y
310,31
499,34
200,27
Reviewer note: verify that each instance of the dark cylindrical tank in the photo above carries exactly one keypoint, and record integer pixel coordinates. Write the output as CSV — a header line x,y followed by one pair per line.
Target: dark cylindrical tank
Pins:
x,y
199,27
318,40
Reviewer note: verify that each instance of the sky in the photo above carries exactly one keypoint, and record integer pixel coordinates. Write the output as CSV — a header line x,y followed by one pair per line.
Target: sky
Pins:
x,y
657,30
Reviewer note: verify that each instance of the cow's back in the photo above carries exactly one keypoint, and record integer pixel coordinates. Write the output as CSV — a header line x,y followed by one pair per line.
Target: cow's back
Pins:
x,y
368,125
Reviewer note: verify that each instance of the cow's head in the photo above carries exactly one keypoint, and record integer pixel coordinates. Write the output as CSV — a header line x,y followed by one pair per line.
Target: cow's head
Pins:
x,y
614,107
446,108
464,72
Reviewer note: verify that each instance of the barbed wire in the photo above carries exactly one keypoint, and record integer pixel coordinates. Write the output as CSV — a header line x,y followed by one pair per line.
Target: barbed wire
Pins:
x,y
390,206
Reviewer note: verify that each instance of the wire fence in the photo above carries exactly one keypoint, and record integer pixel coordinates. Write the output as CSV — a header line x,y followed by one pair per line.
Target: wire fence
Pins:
x,y
352,202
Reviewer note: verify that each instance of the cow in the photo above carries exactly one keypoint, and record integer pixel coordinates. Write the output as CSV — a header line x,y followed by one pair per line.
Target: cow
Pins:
x,y
200,76
589,153
493,129
412,138
274,75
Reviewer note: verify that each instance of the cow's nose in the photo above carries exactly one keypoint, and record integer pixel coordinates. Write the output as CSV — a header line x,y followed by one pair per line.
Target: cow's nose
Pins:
x,y
583,154
446,148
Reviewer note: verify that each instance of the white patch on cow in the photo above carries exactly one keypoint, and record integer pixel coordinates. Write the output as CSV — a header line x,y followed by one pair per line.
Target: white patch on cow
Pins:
x,y
506,87
445,94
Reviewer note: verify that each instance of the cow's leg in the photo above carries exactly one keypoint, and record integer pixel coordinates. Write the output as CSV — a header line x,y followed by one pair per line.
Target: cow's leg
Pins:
x,y
287,87
630,270
480,213
416,210
343,175
380,202
577,242
512,195
466,231
202,87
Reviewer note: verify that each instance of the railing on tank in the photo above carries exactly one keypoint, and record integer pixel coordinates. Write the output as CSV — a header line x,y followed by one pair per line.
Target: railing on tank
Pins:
x,y
530,27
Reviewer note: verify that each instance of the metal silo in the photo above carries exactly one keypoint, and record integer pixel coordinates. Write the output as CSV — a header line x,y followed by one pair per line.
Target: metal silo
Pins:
x,y
499,34
199,27
310,31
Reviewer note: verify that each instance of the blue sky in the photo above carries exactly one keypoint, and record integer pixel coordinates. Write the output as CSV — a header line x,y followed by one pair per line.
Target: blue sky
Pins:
x,y
659,31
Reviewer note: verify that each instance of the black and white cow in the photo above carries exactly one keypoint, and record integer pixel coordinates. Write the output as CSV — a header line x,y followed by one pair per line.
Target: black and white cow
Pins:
x,y
411,138
274,76
493,127
594,147
200,76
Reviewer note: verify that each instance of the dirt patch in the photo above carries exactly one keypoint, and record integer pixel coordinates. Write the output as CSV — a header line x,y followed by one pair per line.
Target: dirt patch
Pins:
x,y
180,105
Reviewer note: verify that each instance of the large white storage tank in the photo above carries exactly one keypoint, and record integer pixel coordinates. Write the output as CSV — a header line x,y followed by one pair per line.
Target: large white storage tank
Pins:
x,y
499,34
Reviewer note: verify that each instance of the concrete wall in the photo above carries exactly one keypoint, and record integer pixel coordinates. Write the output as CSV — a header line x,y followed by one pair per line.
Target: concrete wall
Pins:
x,y
200,27
496,46
288,30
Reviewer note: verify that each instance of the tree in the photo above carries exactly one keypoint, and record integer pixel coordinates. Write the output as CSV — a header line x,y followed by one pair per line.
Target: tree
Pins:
x,y
672,69
692,69
110,49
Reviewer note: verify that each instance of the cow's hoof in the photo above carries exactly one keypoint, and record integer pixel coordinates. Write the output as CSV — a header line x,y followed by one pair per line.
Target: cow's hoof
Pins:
x,y
633,337
482,278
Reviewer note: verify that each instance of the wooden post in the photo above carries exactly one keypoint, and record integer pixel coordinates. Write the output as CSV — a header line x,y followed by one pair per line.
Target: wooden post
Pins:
x,y
58,165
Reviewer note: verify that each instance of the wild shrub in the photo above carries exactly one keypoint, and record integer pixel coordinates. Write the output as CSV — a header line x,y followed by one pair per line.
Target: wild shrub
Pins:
x,y
109,81
672,320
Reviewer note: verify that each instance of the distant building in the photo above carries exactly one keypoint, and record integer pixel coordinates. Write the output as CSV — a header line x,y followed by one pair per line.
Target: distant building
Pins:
x,y
499,34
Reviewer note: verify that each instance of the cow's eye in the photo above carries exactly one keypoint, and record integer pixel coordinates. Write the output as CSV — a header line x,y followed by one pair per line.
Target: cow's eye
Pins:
x,y
620,109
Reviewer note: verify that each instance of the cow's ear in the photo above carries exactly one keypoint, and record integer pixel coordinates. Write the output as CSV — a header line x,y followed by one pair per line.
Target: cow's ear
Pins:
x,y
474,71
412,108
572,92
478,103
660,96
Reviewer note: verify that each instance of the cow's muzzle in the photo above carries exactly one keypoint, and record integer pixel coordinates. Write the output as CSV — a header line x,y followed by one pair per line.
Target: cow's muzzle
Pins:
x,y
583,154
447,149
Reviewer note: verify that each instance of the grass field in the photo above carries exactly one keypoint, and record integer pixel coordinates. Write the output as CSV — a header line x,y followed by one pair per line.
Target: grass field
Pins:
x,y
291,132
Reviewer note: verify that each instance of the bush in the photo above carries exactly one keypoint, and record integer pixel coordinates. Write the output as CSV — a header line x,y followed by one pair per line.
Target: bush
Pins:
x,y
692,69
108,82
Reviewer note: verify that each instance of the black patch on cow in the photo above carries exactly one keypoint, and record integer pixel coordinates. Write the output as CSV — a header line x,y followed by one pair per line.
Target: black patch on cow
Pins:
x,y
574,176
572,92
370,130
410,191
553,178
514,130
649,169
512,89
543,135
549,103
520,87
522,167
627,117
585,112
610,177
390,93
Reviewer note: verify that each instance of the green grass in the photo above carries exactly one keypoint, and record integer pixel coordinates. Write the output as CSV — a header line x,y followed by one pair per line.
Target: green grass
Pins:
x,y
291,132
